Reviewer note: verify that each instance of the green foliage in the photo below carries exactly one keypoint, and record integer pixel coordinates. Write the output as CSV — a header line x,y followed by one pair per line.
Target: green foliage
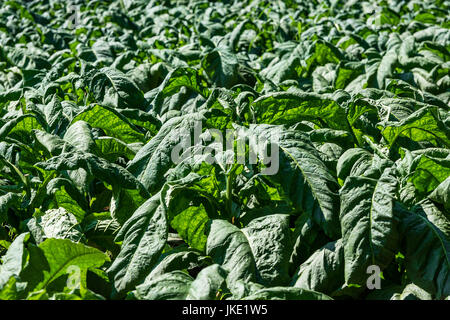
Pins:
x,y
95,97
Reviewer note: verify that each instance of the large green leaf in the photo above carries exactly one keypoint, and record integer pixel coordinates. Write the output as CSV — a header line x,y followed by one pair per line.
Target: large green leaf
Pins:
x,y
111,122
427,254
303,176
14,260
210,284
180,77
95,167
143,238
259,251
154,159
324,269
112,88
80,136
442,194
368,225
62,254
178,258
291,108
55,223
174,285
221,66
423,125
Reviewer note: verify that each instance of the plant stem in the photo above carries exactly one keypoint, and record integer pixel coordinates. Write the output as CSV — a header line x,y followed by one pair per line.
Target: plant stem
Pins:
x,y
229,200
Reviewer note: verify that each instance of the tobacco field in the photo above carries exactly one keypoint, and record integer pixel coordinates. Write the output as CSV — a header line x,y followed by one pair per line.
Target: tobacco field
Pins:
x,y
95,97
